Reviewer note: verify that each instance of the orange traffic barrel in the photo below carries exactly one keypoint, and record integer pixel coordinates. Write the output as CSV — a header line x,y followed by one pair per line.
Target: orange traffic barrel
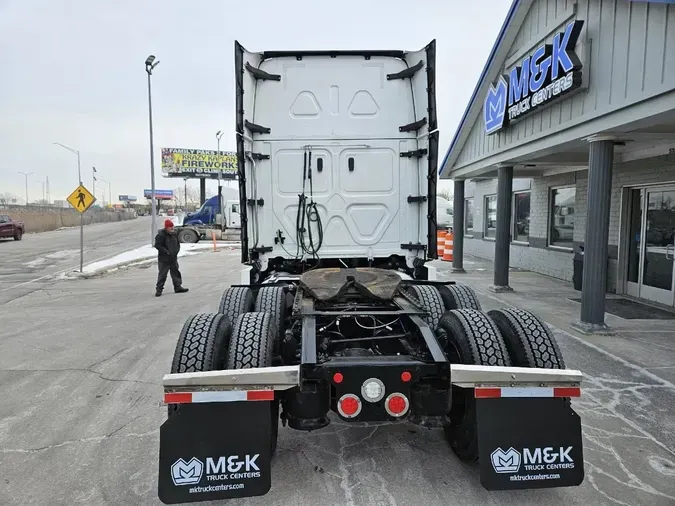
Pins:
x,y
447,247
440,242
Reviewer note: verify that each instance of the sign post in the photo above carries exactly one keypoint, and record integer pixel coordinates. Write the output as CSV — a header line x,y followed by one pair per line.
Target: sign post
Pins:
x,y
81,199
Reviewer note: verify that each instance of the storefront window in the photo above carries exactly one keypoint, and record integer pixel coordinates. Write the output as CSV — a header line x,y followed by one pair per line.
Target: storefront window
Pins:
x,y
468,217
562,217
521,217
490,216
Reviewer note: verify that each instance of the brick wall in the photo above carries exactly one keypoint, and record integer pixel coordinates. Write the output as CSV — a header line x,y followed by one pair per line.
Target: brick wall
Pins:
x,y
550,261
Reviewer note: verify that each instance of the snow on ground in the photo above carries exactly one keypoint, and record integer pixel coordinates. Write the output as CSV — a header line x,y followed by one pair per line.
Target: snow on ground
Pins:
x,y
145,254
57,255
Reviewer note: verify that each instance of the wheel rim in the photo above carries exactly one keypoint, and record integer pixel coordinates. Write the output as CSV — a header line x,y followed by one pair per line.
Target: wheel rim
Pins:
x,y
189,237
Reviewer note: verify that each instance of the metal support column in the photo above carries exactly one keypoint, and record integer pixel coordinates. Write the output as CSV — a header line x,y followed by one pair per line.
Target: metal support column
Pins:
x,y
202,191
601,159
458,227
503,232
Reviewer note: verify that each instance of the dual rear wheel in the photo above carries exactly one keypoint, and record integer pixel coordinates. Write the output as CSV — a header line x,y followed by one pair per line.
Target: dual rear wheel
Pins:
x,y
499,337
242,335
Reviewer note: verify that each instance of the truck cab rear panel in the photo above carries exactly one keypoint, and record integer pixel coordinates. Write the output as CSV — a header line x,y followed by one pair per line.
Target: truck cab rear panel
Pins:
x,y
368,118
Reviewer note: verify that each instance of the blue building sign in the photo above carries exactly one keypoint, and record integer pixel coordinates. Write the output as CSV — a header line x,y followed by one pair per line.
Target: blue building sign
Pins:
x,y
159,194
551,71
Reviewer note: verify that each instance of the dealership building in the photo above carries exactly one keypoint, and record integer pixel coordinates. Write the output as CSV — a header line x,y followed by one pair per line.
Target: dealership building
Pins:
x,y
567,151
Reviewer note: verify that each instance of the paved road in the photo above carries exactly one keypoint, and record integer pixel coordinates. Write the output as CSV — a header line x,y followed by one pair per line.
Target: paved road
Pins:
x,y
80,369
32,263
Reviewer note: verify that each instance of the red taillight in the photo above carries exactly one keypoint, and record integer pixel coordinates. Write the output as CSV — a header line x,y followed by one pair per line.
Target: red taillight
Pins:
x,y
397,405
349,405
338,377
406,376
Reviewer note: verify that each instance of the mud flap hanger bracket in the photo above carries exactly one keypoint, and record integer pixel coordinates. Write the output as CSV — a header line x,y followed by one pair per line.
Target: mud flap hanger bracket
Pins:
x,y
286,377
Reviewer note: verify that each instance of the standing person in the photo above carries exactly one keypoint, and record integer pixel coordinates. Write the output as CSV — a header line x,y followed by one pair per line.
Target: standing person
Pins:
x,y
168,246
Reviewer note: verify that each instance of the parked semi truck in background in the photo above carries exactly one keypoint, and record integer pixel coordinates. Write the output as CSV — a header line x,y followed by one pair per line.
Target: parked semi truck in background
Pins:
x,y
217,215
339,314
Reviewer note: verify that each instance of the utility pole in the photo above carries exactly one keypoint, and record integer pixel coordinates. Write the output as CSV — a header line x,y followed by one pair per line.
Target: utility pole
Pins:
x,y
25,175
49,196
150,64
219,135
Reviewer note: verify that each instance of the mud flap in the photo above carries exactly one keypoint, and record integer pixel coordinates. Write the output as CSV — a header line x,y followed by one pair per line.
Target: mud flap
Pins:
x,y
213,451
529,443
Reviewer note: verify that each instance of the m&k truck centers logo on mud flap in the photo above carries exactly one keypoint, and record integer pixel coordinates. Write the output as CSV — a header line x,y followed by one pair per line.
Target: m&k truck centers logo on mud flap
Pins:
x,y
529,443
551,71
215,451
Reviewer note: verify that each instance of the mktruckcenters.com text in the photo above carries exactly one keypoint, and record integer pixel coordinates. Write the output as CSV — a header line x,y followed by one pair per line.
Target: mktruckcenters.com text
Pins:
x,y
217,488
532,477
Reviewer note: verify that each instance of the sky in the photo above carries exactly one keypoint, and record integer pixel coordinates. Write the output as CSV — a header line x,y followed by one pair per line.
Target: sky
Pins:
x,y
73,72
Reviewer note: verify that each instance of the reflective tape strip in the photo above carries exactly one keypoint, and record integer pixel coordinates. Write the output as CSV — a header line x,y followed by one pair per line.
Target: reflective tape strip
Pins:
x,y
506,392
224,396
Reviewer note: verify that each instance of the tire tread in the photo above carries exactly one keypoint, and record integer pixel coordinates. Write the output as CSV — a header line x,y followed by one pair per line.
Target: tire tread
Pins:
x,y
459,297
529,340
430,299
235,301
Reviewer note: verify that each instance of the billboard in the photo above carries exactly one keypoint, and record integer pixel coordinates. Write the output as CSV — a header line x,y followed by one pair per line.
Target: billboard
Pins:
x,y
202,163
127,198
159,194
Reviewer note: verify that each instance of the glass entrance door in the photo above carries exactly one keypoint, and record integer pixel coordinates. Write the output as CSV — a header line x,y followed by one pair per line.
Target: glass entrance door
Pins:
x,y
652,249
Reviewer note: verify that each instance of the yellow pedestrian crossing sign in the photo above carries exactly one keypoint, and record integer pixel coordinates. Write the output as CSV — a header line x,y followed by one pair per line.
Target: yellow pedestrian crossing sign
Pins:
x,y
81,199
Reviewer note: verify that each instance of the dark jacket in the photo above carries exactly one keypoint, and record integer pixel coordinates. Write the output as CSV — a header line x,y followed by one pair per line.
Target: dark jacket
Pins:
x,y
167,245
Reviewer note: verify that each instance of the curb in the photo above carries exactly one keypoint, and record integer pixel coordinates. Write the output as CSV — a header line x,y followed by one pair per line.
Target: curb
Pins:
x,y
142,261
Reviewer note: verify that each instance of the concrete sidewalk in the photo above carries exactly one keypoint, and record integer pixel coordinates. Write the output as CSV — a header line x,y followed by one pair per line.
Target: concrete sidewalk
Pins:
x,y
648,344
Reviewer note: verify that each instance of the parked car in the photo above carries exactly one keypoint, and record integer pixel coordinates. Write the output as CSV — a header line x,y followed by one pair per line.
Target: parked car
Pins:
x,y
10,228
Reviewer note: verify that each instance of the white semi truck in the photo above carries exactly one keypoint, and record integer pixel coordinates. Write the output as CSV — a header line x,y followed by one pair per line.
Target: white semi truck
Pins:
x,y
339,313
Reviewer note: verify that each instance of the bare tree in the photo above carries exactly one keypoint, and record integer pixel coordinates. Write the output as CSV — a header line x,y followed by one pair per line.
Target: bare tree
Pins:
x,y
179,197
7,198
445,193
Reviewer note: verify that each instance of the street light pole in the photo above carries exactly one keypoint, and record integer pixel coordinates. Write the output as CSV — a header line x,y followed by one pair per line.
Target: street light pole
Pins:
x,y
109,189
26,174
185,181
79,172
219,135
93,184
150,64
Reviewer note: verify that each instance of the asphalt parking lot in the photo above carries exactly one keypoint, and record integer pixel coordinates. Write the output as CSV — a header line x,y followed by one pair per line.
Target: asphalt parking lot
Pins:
x,y
80,368
32,263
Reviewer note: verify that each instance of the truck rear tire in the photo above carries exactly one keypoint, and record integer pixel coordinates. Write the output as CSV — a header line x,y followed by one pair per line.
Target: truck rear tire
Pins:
x,y
187,235
459,297
470,338
272,300
202,346
529,340
430,299
251,347
235,301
